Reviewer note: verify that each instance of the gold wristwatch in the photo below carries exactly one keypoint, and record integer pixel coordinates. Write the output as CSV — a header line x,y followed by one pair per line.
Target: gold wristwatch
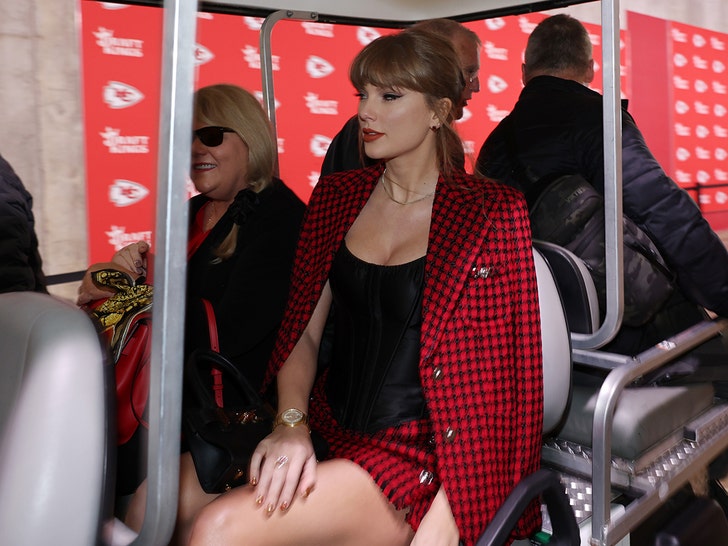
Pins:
x,y
291,417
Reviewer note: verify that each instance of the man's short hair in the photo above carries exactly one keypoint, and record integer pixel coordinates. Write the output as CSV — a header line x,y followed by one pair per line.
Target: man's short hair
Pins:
x,y
559,44
447,28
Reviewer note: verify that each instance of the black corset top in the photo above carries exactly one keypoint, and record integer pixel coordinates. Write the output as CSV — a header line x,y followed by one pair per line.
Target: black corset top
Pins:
x,y
373,379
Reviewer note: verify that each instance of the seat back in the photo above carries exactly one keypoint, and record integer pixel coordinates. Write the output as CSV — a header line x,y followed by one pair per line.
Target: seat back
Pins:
x,y
578,293
556,346
53,423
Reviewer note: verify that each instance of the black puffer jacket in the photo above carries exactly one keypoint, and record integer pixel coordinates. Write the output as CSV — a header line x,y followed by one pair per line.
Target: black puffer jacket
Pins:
x,y
559,130
20,263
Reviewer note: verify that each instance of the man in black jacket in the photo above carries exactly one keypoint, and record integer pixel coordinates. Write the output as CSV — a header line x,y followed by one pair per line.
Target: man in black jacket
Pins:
x,y
556,128
20,262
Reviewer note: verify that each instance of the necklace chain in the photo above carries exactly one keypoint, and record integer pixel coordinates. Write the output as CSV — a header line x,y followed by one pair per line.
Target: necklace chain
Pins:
x,y
388,191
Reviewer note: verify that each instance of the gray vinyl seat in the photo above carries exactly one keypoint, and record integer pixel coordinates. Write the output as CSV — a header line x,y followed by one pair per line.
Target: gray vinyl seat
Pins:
x,y
645,417
53,423
555,345
576,287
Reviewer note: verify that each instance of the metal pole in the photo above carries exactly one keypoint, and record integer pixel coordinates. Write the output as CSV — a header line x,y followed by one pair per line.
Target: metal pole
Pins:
x,y
165,391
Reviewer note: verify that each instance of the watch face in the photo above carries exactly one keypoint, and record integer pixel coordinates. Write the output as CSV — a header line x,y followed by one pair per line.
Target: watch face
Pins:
x,y
292,416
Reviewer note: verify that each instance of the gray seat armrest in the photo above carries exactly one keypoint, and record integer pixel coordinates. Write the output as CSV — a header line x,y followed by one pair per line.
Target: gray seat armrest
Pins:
x,y
53,423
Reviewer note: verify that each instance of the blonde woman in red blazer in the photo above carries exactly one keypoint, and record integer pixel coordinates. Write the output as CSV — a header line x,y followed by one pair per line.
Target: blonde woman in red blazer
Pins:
x,y
425,458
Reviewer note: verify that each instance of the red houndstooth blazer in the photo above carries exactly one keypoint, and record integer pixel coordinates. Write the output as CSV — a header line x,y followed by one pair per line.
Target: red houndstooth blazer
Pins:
x,y
480,364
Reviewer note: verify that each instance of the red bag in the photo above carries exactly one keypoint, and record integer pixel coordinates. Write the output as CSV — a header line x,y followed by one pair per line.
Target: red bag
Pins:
x,y
132,378
125,320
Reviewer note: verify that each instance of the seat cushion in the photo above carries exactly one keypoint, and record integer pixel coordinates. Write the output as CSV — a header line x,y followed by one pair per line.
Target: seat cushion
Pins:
x,y
643,417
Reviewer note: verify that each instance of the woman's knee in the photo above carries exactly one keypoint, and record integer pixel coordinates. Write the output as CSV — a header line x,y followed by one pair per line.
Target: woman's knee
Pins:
x,y
219,522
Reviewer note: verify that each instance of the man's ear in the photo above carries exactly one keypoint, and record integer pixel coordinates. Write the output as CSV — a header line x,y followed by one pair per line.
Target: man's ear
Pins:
x,y
589,76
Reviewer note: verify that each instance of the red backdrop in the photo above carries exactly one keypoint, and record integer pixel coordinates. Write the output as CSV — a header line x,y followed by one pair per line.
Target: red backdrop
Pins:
x,y
121,47
681,105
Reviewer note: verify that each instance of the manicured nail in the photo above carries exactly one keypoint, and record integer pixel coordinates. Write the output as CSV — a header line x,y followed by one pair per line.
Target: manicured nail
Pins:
x,y
259,499
307,492
253,481
284,506
270,509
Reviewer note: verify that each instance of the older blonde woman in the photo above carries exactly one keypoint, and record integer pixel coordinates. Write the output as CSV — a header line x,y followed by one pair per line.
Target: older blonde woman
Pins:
x,y
242,235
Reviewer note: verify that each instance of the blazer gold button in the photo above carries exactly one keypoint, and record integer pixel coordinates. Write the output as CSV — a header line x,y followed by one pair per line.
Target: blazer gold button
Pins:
x,y
449,435
437,372
481,272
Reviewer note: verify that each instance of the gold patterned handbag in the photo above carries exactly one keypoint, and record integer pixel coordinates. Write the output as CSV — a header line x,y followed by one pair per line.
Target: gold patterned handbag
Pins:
x,y
125,320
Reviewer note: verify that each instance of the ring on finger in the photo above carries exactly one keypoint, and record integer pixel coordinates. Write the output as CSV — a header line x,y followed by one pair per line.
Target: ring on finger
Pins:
x,y
281,462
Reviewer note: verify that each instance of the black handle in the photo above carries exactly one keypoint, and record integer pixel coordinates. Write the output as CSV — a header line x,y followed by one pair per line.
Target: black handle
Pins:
x,y
543,482
201,361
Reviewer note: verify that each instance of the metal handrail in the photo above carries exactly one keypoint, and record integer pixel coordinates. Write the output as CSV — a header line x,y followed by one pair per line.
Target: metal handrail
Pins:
x,y
165,389
612,134
606,403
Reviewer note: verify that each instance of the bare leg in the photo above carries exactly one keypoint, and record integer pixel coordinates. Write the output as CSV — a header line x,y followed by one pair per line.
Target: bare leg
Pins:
x,y
135,513
192,499
346,508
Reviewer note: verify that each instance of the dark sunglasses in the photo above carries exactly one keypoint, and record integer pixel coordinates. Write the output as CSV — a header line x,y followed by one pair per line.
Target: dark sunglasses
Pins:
x,y
211,136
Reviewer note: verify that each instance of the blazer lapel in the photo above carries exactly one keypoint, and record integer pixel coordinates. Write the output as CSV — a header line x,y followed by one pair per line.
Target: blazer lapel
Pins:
x,y
459,226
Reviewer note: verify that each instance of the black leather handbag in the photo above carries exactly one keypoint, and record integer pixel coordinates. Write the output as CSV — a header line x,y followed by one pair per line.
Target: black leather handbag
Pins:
x,y
222,438
223,435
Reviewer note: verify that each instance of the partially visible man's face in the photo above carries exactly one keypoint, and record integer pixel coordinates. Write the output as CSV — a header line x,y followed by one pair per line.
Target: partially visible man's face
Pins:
x,y
469,55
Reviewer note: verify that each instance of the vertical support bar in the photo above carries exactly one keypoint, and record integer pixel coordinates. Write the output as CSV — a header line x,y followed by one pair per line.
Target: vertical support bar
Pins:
x,y
170,268
612,133
266,60
601,463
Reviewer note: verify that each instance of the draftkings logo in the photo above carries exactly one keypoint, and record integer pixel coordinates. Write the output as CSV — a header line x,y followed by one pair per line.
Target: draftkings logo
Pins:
x,y
120,144
253,23
525,25
251,56
323,30
316,105
119,238
119,95
494,52
495,114
112,45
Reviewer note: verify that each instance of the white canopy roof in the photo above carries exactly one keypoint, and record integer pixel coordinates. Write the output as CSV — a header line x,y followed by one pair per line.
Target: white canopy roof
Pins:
x,y
399,10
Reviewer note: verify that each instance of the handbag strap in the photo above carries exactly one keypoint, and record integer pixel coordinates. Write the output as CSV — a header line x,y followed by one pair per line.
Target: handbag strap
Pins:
x,y
215,346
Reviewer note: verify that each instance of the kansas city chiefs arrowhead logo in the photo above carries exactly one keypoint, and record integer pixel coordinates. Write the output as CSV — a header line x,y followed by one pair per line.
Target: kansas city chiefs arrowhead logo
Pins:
x,y
125,192
202,55
119,95
318,67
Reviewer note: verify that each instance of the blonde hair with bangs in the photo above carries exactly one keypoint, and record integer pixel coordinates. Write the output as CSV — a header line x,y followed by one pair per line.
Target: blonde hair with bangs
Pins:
x,y
423,62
